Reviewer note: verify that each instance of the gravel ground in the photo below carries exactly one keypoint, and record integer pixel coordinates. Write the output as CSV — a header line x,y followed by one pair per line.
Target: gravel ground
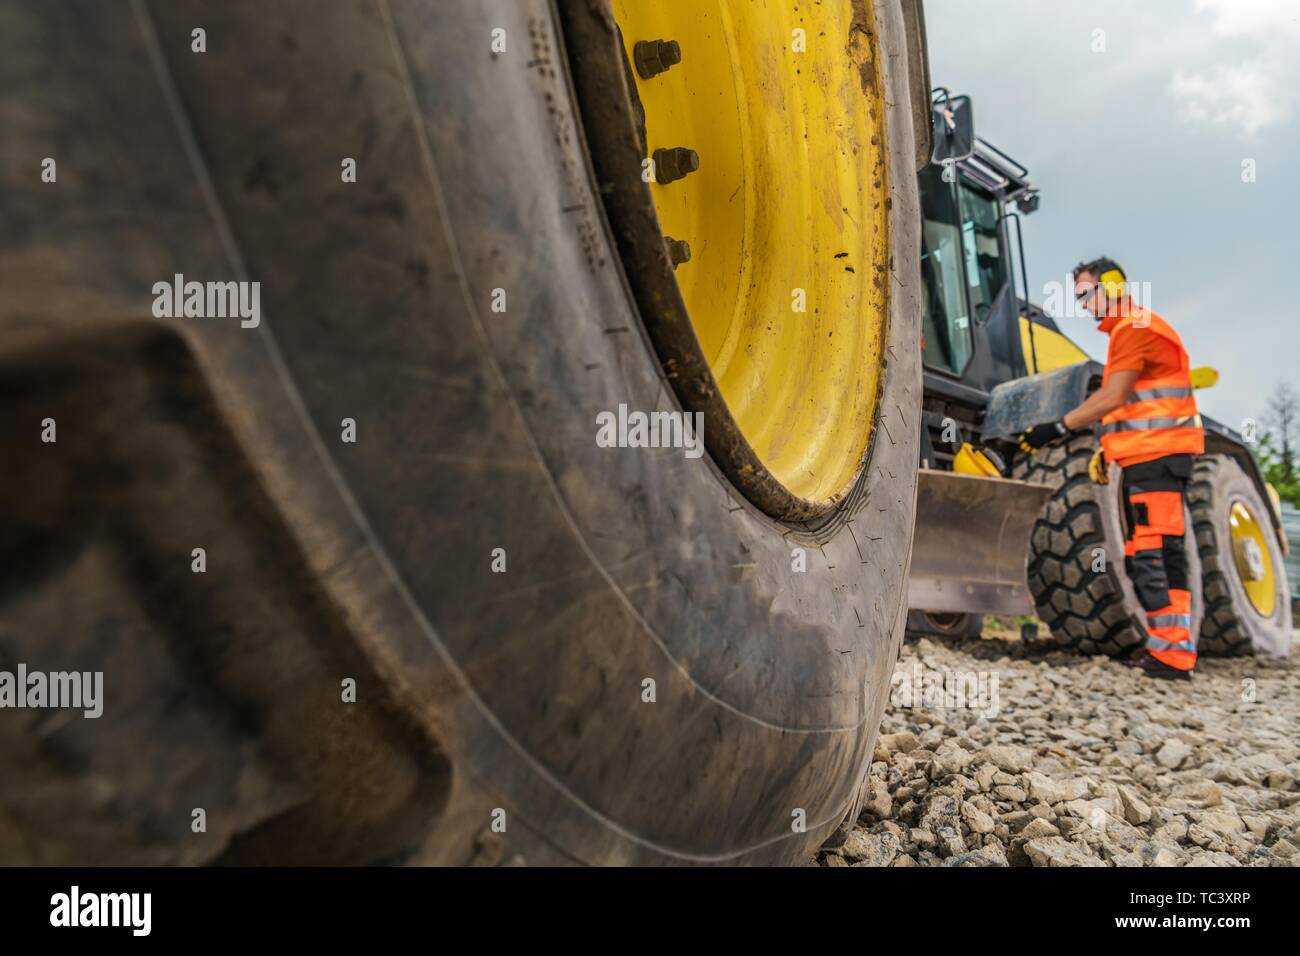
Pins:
x,y
1051,759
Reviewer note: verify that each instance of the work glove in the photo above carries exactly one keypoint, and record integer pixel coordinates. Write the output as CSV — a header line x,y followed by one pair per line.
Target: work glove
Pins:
x,y
1038,436
1097,469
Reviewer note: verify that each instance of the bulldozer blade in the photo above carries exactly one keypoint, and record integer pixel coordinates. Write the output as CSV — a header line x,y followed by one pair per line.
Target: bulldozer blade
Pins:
x,y
972,539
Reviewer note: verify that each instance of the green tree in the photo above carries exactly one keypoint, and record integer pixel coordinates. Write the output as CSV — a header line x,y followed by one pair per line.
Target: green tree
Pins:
x,y
1276,450
1278,442
1275,472
1281,419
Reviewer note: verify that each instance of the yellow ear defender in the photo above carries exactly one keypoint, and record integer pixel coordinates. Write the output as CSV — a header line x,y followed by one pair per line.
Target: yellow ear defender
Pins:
x,y
1112,280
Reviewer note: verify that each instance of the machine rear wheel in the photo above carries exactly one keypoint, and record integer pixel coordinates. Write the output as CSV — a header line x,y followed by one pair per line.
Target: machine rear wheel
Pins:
x,y
1248,608
1076,559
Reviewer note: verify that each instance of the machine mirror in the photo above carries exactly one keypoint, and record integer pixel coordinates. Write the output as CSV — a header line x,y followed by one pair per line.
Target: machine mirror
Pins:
x,y
954,129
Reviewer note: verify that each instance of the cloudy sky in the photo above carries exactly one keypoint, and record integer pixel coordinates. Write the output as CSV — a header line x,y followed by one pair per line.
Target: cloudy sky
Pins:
x,y
1139,152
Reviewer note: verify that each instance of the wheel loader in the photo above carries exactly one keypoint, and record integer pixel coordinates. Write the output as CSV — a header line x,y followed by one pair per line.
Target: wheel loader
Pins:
x,y
363,585
1045,540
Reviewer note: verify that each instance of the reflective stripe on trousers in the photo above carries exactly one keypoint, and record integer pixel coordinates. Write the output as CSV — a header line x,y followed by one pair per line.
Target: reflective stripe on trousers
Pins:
x,y
1158,644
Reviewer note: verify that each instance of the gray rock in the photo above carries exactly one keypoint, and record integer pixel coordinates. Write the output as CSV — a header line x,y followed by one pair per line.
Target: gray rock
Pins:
x,y
1280,779
1057,851
1037,828
1175,831
1223,822
1204,838
878,801
1252,769
871,849
976,819
1173,753
1015,819
1199,793
887,744
1008,758
931,739
988,855
1056,791
1069,826
1286,850
1134,808
1215,858
1257,826
951,759
943,809
1165,856
950,841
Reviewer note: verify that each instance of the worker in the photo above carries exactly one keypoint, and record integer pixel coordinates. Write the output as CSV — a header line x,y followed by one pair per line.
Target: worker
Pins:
x,y
1150,428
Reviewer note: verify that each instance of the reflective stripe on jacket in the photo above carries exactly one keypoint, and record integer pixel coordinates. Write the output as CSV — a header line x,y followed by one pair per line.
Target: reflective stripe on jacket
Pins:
x,y
1160,417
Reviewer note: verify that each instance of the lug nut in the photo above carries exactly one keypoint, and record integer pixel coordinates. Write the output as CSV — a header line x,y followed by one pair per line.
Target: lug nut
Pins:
x,y
653,57
674,164
679,250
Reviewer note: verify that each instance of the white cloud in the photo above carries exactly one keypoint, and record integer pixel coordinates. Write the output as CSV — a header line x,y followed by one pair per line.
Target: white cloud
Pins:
x,y
1252,18
1249,94
1258,90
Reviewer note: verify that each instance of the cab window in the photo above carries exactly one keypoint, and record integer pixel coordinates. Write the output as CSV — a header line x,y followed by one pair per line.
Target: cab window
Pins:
x,y
947,334
985,267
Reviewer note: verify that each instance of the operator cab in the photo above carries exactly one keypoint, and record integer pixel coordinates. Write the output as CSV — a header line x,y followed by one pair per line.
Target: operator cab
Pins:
x,y
972,308
978,329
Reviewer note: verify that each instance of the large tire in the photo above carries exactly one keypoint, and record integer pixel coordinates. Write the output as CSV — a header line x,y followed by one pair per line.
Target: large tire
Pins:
x,y
482,698
1233,625
1089,611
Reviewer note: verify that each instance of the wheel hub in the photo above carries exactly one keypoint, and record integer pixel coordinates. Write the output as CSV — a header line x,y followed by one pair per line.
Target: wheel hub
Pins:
x,y
766,139
1253,562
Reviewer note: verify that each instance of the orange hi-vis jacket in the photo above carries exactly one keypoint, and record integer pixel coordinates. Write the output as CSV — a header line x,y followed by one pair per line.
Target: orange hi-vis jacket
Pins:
x,y
1160,417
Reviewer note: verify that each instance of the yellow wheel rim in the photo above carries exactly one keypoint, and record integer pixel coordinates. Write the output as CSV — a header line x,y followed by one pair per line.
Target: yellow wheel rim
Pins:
x,y
786,217
1254,562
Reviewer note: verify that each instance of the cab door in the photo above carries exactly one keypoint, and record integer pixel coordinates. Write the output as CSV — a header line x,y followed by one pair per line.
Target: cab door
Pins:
x,y
947,343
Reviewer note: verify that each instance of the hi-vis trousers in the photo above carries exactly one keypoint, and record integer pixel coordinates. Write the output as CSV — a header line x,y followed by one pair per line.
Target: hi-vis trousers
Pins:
x,y
1155,556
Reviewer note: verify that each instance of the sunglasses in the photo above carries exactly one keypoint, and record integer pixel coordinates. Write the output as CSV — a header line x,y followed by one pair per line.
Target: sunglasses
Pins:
x,y
1085,295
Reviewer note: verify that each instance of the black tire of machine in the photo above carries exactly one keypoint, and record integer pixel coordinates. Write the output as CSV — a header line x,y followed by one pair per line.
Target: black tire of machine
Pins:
x,y
1089,611
937,624
1233,626
498,717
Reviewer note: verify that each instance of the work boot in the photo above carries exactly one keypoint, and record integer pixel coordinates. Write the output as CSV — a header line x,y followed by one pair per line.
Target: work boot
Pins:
x,y
1153,667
